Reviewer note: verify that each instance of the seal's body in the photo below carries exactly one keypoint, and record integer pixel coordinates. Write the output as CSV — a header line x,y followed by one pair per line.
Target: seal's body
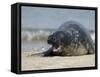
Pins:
x,y
70,39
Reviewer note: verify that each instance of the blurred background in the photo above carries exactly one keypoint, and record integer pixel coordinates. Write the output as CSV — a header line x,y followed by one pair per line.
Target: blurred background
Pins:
x,y
38,23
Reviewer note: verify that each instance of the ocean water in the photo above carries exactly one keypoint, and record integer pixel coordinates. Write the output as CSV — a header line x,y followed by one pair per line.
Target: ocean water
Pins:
x,y
36,34
37,38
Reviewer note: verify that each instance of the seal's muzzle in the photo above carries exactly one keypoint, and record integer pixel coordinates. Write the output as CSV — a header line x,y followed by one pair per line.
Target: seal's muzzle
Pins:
x,y
55,42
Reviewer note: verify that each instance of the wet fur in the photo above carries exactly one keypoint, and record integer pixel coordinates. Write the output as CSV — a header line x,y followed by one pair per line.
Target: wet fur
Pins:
x,y
74,39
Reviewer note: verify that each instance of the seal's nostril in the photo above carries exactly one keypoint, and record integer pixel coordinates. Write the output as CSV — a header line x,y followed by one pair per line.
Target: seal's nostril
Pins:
x,y
48,41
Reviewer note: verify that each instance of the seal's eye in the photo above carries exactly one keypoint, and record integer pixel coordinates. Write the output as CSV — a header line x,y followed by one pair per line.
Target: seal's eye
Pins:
x,y
50,41
53,38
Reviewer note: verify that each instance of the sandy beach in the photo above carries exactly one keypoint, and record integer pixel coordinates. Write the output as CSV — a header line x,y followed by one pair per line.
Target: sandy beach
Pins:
x,y
31,62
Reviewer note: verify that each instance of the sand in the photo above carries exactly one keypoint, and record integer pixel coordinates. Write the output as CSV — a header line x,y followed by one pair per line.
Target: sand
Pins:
x,y
31,62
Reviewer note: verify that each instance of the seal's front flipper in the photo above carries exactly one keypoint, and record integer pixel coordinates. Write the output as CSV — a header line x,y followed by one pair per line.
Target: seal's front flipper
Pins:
x,y
48,52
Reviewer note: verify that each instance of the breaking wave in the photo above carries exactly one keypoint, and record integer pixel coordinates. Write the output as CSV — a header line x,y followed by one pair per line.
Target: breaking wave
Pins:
x,y
36,34
42,34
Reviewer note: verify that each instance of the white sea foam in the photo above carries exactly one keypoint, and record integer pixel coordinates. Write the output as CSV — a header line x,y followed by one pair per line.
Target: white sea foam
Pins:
x,y
35,35
42,34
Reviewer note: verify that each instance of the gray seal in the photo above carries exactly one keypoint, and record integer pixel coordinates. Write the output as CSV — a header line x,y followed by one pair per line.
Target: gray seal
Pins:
x,y
70,39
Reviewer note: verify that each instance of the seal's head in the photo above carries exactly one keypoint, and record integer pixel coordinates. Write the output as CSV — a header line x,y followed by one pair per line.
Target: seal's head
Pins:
x,y
56,41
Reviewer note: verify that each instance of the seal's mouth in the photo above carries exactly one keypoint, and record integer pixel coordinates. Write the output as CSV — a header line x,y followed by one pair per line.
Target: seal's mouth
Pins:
x,y
56,45
56,48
